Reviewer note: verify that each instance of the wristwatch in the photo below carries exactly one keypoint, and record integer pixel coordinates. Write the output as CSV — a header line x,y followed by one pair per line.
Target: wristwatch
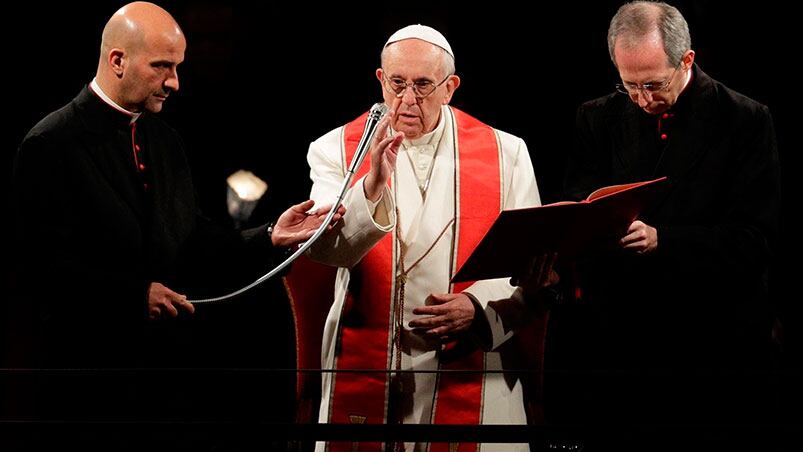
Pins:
x,y
269,230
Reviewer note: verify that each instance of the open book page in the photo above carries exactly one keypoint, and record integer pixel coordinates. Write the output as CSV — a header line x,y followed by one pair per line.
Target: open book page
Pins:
x,y
563,203
605,191
568,228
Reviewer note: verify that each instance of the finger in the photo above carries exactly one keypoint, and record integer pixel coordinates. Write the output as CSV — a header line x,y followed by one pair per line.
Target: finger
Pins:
x,y
442,331
396,141
436,299
172,293
430,310
339,213
636,245
311,220
387,118
629,238
382,127
304,206
392,143
335,219
385,142
636,248
185,305
391,160
154,313
171,310
320,211
428,322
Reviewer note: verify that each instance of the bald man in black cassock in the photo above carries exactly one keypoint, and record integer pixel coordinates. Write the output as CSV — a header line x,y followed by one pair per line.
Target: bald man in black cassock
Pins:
x,y
106,219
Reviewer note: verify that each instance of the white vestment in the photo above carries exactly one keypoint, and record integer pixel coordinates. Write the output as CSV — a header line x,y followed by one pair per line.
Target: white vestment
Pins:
x,y
422,217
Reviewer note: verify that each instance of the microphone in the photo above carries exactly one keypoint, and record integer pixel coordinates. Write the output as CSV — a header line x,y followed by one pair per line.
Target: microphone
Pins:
x,y
374,116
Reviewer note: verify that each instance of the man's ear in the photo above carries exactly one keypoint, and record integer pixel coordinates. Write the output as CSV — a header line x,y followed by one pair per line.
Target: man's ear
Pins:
x,y
688,58
117,62
451,85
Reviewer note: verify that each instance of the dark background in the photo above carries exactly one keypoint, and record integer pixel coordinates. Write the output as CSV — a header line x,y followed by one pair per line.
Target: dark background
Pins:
x,y
260,82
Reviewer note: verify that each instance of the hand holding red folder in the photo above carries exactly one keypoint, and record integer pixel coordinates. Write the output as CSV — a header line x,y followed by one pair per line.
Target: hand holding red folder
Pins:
x,y
568,228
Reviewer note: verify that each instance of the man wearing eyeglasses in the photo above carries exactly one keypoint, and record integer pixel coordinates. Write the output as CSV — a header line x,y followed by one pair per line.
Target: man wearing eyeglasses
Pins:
x,y
672,327
436,180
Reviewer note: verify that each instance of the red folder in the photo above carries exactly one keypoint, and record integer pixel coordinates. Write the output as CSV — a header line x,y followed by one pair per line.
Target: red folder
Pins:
x,y
569,228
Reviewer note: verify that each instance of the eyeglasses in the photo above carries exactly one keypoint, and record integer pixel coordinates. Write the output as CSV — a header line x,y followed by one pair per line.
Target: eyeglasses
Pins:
x,y
421,88
633,89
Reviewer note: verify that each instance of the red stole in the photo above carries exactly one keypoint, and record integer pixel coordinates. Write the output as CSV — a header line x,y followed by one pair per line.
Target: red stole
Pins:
x,y
366,329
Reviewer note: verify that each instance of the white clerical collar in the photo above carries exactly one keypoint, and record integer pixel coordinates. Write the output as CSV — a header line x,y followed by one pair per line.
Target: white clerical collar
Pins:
x,y
96,89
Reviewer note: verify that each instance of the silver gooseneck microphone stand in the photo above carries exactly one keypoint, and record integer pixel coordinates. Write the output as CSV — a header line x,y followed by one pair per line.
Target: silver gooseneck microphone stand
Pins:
x,y
374,116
